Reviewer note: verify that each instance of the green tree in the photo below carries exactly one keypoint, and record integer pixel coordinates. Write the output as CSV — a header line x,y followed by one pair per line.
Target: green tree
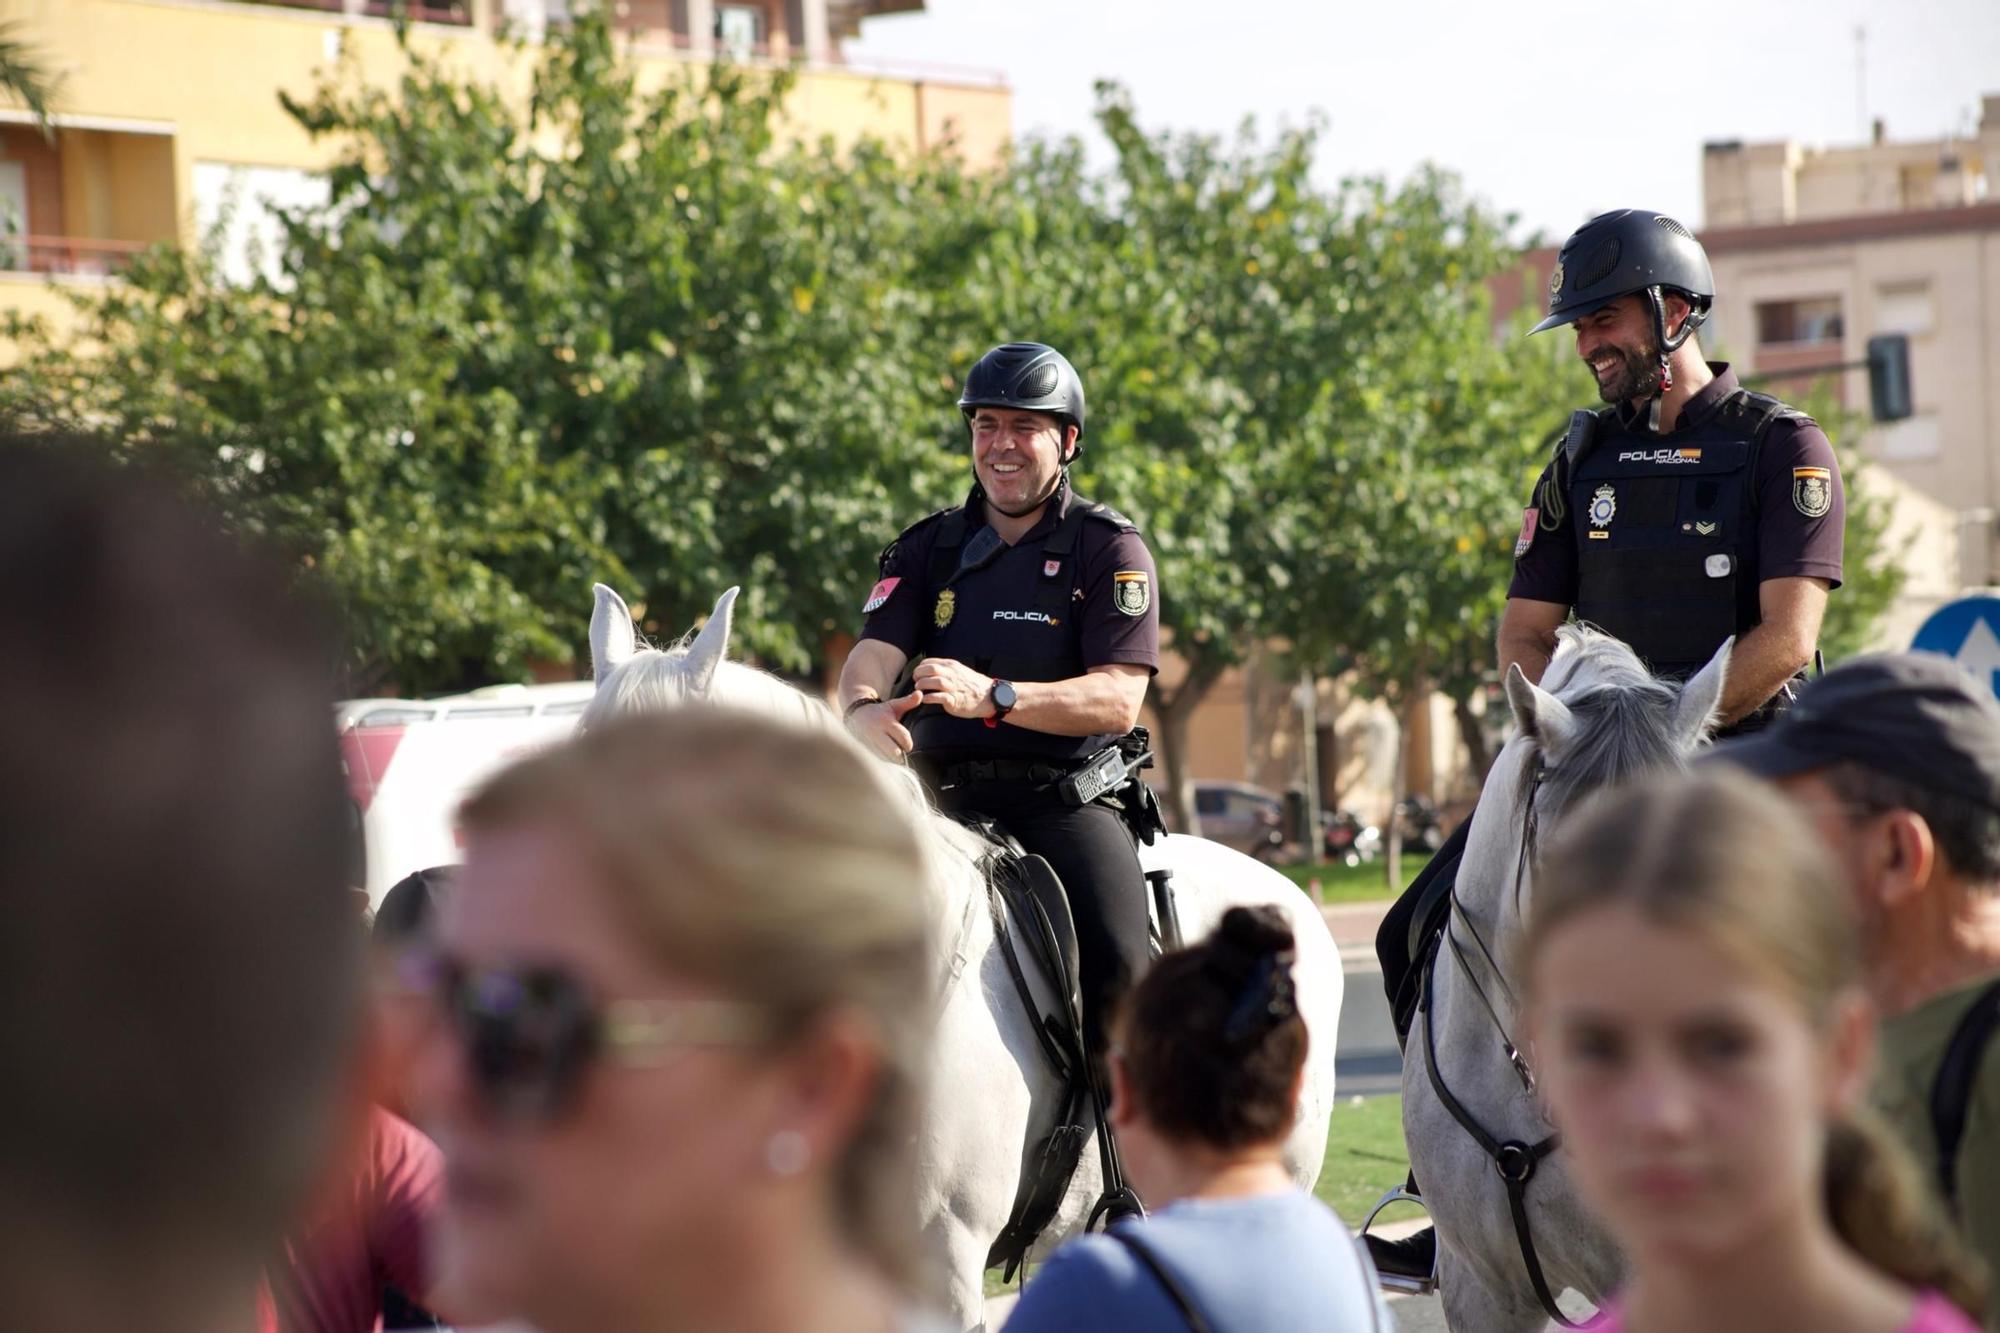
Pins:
x,y
641,338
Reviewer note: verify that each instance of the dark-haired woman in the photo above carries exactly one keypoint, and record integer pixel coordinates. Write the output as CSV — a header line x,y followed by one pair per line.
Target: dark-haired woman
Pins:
x,y
1205,1066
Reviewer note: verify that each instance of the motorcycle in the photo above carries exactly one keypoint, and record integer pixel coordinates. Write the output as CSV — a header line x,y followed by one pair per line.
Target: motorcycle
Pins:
x,y
1347,839
1418,820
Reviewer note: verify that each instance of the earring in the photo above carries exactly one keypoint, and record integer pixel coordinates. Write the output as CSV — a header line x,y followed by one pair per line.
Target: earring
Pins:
x,y
787,1154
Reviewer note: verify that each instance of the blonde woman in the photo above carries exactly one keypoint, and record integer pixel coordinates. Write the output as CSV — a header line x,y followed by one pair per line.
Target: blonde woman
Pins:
x,y
1703,1043
686,978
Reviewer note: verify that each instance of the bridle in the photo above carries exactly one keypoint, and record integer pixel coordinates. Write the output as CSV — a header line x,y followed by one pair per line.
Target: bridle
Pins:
x,y
1515,1160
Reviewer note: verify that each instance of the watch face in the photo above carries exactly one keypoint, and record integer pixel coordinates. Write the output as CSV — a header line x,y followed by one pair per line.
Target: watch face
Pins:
x,y
1003,695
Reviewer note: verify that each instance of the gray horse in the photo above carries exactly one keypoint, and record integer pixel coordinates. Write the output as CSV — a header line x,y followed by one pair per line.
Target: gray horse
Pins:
x,y
1598,719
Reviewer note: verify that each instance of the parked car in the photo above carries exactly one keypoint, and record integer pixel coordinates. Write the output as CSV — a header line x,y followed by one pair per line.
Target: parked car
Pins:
x,y
1239,815
409,762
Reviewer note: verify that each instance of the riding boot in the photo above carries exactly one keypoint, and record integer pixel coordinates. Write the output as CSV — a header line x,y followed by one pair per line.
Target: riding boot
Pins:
x,y
1413,1257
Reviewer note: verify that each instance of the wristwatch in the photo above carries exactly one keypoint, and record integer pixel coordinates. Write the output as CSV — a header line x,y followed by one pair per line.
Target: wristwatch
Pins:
x,y
1004,700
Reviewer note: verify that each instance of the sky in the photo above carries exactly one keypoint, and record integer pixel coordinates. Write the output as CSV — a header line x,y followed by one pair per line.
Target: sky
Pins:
x,y
1551,110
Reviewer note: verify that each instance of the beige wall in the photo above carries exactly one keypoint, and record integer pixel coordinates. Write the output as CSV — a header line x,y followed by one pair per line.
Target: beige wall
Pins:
x,y
1763,184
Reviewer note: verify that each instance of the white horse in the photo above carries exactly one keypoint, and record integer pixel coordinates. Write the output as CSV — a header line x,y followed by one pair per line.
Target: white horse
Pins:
x,y
1599,718
993,1095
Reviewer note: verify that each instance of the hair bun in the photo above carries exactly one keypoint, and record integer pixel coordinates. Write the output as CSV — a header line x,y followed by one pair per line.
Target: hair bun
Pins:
x,y
1252,954
1247,936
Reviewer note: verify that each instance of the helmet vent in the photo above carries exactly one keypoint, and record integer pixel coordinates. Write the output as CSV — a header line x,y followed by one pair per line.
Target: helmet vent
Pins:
x,y
1597,265
1668,224
1040,382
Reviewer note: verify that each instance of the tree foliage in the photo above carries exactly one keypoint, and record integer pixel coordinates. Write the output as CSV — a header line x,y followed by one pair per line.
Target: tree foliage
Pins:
x,y
646,335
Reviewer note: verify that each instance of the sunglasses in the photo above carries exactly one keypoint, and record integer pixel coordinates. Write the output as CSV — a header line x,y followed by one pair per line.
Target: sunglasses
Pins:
x,y
530,1034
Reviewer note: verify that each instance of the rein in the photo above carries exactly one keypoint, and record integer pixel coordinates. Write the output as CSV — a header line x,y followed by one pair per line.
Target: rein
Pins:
x,y
1514,1160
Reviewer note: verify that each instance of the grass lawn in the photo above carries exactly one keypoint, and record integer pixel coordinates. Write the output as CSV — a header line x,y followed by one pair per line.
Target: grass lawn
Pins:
x,y
1353,884
1364,1158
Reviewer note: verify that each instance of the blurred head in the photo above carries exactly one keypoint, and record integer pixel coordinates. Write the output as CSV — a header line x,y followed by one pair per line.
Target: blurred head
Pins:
x,y
1896,760
687,983
1209,1046
400,948
179,951
1700,1032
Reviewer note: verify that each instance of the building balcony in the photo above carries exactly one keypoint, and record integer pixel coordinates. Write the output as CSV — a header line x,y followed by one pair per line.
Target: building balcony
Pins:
x,y
66,256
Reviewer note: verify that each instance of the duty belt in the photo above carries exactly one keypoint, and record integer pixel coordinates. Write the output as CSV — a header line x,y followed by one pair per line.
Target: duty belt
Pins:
x,y
1040,773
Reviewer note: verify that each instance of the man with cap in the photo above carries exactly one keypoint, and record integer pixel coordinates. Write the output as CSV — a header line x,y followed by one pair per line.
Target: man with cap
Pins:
x,y
1032,619
1687,511
1897,758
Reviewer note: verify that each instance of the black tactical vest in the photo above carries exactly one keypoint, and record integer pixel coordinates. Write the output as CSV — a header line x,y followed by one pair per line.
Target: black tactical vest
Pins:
x,y
1666,530
1012,615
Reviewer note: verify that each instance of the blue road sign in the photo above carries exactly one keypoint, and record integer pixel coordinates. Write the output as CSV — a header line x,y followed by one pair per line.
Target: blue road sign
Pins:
x,y
1968,631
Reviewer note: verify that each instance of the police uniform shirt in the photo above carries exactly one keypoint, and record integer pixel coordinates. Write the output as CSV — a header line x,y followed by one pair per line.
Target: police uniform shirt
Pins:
x,y
996,620
1798,520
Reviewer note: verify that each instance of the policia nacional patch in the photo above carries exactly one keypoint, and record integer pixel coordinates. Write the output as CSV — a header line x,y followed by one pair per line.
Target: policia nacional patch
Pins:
x,y
1812,491
1131,592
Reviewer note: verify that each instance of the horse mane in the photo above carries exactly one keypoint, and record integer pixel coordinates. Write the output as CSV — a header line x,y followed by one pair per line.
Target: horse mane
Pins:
x,y
657,678
1624,718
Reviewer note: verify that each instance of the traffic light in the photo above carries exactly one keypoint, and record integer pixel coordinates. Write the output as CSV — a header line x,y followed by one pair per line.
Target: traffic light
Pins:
x,y
1889,376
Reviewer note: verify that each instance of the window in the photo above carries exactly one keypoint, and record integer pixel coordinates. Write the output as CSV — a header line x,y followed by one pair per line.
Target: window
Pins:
x,y
1814,319
739,30
1904,307
13,214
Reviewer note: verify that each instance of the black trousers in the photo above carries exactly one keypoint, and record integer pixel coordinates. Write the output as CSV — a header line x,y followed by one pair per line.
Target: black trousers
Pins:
x,y
1092,850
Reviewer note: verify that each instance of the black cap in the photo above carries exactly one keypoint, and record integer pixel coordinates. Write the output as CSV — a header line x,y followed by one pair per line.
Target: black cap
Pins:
x,y
1029,376
1919,717
1618,253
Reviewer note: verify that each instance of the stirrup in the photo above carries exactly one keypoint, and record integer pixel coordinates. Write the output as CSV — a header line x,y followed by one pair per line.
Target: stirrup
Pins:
x,y
1115,1207
1397,1282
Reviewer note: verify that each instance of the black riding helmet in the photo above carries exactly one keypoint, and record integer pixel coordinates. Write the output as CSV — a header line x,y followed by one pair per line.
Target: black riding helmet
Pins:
x,y
1628,251
1029,377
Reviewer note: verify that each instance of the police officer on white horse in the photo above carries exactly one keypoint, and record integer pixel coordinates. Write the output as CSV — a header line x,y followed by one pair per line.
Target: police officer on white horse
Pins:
x,y
1033,618
1687,511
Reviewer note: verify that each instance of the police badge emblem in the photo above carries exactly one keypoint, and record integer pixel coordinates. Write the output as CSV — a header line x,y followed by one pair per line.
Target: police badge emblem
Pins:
x,y
1812,491
1556,280
1603,506
947,605
1130,591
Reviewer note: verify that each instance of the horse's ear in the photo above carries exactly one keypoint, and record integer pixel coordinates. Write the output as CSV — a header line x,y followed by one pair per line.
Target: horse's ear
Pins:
x,y
1537,712
711,646
1699,708
612,641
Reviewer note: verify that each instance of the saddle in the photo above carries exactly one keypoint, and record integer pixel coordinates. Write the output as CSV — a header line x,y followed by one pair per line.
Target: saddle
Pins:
x,y
1036,932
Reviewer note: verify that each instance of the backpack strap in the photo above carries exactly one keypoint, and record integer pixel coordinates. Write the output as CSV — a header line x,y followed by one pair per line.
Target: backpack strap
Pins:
x,y
1164,1276
1951,1093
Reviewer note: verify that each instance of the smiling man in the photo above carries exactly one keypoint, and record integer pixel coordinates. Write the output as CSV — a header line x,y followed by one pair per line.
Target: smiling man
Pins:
x,y
1033,617
1690,509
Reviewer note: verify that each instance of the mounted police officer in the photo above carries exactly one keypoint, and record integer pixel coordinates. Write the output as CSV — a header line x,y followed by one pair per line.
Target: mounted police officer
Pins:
x,y
1033,618
1688,510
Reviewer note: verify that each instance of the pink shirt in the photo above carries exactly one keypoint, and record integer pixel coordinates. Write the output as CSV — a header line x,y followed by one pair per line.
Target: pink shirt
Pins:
x,y
368,1233
1934,1314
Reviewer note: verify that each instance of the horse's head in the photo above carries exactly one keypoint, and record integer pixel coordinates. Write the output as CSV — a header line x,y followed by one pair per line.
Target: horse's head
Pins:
x,y
1598,719
632,677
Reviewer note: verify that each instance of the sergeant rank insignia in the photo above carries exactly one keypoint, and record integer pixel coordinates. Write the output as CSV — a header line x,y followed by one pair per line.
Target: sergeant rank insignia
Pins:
x,y
1812,491
1131,592
1603,508
947,604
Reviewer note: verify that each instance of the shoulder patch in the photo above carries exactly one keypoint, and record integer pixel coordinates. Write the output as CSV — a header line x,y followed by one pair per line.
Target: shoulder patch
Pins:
x,y
1131,591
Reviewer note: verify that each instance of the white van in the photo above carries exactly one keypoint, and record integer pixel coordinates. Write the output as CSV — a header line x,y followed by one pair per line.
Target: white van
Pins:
x,y
410,762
